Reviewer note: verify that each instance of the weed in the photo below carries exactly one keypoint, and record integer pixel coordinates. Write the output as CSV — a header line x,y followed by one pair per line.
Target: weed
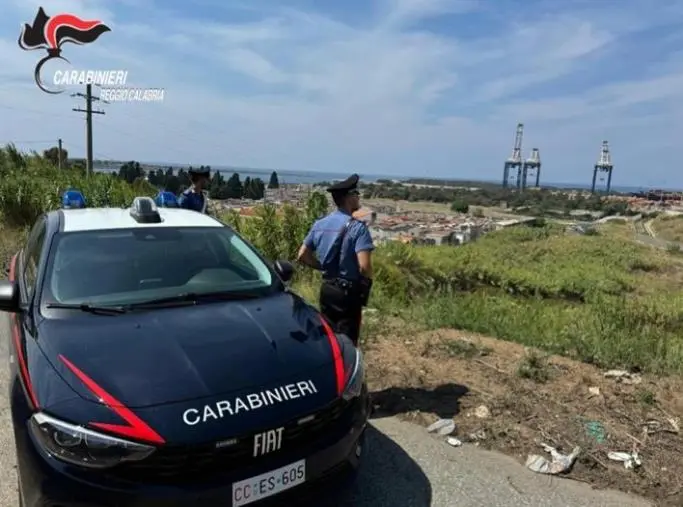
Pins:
x,y
464,349
646,397
534,367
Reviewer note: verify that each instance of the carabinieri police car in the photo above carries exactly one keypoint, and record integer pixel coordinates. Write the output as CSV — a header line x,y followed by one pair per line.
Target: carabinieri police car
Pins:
x,y
157,359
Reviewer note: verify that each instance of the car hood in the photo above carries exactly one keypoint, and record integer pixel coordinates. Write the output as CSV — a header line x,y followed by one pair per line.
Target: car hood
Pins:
x,y
170,355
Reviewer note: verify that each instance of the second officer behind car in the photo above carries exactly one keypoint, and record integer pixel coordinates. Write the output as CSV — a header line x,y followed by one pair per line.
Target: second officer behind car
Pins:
x,y
194,198
341,247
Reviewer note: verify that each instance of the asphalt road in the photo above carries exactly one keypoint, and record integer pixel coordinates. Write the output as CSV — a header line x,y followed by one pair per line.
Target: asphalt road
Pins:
x,y
403,467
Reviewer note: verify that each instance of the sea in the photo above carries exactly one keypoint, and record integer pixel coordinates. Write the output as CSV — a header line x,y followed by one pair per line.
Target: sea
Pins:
x,y
311,177
284,177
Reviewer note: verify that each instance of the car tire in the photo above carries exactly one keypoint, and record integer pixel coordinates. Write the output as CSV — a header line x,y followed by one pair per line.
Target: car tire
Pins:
x,y
352,475
354,465
20,494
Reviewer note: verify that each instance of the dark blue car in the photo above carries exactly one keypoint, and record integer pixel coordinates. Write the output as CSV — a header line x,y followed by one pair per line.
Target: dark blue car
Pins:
x,y
158,360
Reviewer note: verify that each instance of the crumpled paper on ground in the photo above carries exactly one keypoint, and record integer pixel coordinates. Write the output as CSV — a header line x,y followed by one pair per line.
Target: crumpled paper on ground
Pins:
x,y
630,459
624,376
560,463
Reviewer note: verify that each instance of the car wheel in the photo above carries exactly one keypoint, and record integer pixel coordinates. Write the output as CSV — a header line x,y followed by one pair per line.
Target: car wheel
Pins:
x,y
354,463
352,475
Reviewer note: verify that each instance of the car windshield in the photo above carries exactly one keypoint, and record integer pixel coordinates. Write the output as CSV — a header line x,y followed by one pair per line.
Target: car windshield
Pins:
x,y
128,266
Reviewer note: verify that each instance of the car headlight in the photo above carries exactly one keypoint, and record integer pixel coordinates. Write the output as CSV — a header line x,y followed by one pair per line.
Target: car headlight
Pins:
x,y
83,447
355,376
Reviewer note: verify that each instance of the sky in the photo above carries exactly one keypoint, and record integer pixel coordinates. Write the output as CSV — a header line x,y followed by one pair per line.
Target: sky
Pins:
x,y
431,88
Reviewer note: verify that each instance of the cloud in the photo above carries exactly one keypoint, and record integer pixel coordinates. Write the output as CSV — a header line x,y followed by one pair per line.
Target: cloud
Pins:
x,y
405,12
381,87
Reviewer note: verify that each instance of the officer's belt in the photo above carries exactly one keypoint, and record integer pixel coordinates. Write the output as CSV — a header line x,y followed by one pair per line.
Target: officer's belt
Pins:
x,y
342,283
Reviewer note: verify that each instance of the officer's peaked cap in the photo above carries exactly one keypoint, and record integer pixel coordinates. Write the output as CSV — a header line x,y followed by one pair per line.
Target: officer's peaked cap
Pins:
x,y
200,171
347,185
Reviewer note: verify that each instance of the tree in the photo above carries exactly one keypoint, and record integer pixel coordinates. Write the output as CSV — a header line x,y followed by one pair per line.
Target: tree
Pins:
x,y
131,171
234,188
171,181
183,180
53,156
273,183
460,207
316,207
217,188
255,189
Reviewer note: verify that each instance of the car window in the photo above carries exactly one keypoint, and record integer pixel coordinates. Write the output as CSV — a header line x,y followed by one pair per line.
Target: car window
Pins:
x,y
34,247
128,266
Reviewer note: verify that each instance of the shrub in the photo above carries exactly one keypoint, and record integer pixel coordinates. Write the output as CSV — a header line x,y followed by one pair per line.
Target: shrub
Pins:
x,y
596,298
31,185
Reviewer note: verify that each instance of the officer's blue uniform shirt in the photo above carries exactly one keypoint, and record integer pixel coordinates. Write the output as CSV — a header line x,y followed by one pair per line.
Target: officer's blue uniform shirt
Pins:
x,y
322,237
192,200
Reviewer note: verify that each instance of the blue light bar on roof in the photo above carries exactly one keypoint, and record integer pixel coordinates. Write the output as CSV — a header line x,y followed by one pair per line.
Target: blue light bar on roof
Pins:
x,y
166,199
73,199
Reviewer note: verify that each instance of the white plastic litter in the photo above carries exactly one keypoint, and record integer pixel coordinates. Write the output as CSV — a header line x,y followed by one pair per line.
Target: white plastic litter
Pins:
x,y
624,377
482,412
560,462
442,427
452,441
631,460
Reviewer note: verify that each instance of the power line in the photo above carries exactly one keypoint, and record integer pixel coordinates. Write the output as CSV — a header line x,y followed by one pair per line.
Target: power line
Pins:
x,y
34,142
166,147
89,98
36,111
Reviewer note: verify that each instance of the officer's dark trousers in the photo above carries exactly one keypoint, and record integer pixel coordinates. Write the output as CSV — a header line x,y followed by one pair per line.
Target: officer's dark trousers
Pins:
x,y
342,309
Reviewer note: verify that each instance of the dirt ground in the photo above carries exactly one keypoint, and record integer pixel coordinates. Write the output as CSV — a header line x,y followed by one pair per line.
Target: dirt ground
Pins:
x,y
532,399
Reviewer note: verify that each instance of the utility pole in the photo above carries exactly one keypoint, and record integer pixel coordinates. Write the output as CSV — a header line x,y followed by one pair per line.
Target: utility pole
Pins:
x,y
59,154
88,121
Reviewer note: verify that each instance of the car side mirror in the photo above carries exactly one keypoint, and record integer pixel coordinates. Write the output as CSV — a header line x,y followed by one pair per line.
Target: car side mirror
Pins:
x,y
284,269
9,296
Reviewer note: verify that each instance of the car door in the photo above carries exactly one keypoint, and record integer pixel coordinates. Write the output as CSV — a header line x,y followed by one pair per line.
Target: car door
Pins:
x,y
26,276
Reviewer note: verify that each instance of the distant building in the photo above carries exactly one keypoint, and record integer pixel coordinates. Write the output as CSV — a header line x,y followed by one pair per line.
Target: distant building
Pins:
x,y
366,215
438,238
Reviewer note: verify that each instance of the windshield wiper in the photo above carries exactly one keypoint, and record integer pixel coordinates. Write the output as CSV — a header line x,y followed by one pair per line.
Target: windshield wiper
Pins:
x,y
192,298
86,307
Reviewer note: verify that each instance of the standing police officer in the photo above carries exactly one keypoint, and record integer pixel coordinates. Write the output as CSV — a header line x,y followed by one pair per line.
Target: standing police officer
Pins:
x,y
194,197
341,247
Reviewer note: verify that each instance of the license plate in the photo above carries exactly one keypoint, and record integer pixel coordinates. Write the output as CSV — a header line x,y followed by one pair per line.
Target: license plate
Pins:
x,y
268,484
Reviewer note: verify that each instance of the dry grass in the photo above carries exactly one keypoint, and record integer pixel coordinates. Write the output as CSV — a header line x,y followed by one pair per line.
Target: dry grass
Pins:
x,y
618,229
669,228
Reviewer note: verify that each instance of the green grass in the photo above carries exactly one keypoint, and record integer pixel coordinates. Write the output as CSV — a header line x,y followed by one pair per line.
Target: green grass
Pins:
x,y
602,299
31,185
599,299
